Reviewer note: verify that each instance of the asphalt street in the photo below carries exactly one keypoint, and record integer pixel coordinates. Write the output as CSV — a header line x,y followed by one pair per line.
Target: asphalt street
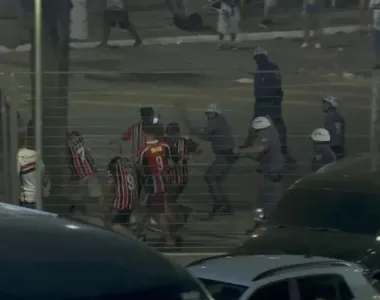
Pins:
x,y
108,86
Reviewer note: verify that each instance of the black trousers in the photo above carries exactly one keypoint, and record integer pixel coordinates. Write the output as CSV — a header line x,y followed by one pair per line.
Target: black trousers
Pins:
x,y
339,151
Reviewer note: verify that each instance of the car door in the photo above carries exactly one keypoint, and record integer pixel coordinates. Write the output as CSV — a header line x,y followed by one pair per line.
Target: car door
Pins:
x,y
331,284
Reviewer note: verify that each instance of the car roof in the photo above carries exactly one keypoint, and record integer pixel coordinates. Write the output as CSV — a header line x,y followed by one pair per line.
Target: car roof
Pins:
x,y
243,269
32,240
352,173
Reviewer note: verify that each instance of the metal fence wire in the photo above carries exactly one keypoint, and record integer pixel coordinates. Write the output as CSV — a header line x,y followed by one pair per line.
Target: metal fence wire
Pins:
x,y
102,106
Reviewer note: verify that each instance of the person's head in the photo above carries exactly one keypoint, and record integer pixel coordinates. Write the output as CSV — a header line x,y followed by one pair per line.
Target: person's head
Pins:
x,y
260,123
260,55
320,136
151,131
147,114
330,103
172,130
115,148
212,111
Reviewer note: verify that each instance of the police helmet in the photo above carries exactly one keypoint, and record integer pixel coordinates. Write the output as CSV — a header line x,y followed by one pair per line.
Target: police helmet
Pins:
x,y
261,123
44,250
213,108
332,100
172,129
258,50
320,135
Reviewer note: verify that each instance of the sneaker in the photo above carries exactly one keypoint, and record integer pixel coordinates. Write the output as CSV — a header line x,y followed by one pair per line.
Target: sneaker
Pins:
x,y
304,45
317,46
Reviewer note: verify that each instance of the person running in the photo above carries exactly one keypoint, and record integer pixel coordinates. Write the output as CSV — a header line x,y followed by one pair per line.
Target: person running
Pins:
x,y
116,14
122,189
154,160
134,133
84,180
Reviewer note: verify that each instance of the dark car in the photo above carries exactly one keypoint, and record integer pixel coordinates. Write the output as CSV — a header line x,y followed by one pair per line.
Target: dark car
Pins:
x,y
45,257
332,213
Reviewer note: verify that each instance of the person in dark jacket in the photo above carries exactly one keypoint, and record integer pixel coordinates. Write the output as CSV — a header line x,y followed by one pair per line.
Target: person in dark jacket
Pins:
x,y
322,153
268,99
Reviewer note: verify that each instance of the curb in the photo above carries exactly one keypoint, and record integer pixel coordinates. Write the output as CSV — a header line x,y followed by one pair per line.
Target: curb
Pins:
x,y
196,39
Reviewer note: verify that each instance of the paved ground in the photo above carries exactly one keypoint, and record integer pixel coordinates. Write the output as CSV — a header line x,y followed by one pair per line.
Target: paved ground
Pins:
x,y
109,86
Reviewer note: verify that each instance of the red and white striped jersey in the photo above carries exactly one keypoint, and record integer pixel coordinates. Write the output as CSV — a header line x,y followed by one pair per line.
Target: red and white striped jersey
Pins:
x,y
26,168
81,163
135,134
123,175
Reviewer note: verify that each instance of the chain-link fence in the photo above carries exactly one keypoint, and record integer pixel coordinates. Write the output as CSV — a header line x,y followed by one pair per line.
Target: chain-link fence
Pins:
x,y
103,105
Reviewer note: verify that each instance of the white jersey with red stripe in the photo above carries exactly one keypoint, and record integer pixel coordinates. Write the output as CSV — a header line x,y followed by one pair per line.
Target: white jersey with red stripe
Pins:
x,y
135,134
26,168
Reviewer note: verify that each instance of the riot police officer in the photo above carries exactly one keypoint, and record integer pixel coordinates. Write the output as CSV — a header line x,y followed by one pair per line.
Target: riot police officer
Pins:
x,y
322,153
218,132
268,98
334,123
267,149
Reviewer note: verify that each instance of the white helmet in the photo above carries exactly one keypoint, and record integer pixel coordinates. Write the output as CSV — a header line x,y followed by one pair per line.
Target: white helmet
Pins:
x,y
332,100
320,135
213,108
261,123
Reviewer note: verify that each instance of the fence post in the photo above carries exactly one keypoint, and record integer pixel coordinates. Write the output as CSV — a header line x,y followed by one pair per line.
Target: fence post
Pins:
x,y
374,125
38,99
5,147
14,131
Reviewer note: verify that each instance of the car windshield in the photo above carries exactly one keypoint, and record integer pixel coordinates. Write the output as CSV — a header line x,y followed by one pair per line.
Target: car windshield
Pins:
x,y
97,281
343,210
223,291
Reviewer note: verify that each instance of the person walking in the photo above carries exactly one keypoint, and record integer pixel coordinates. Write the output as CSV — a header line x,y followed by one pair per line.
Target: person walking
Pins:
x,y
228,22
218,132
116,14
311,11
268,95
266,148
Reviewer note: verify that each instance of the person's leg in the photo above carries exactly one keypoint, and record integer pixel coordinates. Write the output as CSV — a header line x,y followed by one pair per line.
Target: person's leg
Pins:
x,y
131,28
339,151
306,30
269,6
120,222
215,176
107,25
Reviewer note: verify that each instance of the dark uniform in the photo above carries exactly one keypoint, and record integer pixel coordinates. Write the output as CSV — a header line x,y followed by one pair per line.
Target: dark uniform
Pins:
x,y
222,143
271,167
336,126
268,97
323,155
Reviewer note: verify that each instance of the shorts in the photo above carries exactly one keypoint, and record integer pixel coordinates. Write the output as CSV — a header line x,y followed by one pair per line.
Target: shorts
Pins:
x,y
122,217
156,203
376,40
89,187
117,18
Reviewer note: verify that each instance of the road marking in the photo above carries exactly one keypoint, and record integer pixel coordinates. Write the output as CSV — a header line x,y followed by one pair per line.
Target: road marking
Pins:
x,y
189,254
196,39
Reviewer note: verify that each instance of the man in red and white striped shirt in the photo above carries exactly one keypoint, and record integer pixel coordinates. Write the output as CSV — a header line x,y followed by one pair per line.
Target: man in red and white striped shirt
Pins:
x,y
84,180
122,188
135,132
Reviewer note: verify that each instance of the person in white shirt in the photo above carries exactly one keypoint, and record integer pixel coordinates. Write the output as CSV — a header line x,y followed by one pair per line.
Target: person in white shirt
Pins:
x,y
228,21
27,170
374,5
116,15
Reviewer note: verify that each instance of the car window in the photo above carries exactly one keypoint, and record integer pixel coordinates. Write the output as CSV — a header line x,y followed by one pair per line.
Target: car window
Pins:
x,y
272,291
349,211
222,290
326,287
